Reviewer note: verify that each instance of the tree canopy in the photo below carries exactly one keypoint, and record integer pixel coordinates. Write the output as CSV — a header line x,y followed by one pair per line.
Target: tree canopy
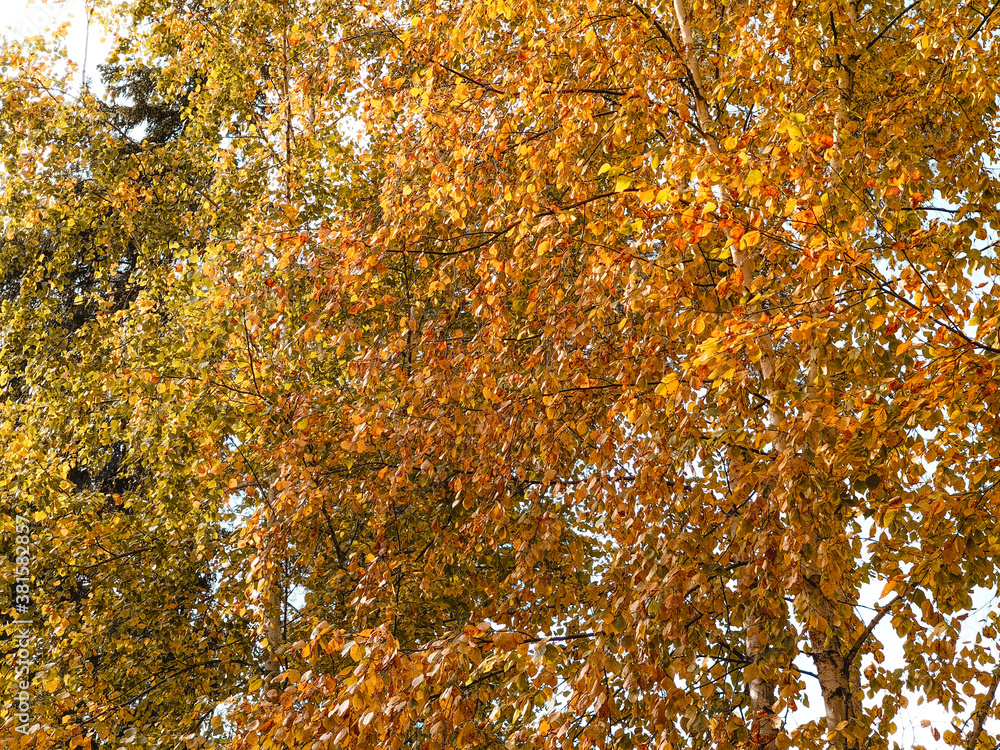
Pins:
x,y
503,374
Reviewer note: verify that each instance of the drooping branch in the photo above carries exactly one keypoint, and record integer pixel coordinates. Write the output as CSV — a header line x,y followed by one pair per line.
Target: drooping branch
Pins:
x,y
271,604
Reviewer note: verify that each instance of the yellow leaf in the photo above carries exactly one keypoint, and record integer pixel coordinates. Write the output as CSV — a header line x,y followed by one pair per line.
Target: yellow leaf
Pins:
x,y
622,183
668,386
754,178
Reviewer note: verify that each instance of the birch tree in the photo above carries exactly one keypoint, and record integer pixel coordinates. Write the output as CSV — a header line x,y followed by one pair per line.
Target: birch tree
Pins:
x,y
573,374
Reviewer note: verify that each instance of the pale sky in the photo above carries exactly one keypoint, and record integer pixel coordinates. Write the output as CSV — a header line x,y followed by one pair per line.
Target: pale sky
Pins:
x,y
26,18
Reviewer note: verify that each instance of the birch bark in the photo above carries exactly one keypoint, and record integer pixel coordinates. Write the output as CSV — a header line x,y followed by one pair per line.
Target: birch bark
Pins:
x,y
833,669
765,726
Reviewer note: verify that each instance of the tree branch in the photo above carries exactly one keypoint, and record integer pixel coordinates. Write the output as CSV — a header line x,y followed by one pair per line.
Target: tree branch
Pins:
x,y
891,23
984,707
882,612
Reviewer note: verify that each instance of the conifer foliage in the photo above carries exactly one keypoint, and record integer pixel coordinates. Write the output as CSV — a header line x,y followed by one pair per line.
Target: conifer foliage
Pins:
x,y
504,374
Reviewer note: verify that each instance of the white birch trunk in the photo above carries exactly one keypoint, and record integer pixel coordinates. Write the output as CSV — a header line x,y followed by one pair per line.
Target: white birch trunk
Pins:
x,y
765,725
